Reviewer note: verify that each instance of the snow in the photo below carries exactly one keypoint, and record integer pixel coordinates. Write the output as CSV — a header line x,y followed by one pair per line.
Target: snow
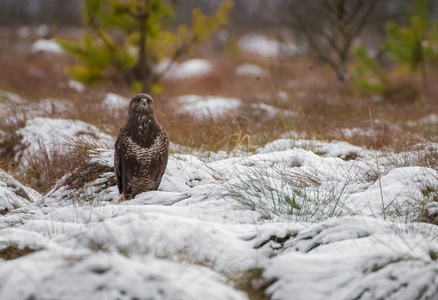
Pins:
x,y
430,119
271,111
264,46
14,109
392,262
322,220
196,67
46,135
250,70
50,107
115,102
57,275
49,46
13,194
207,106
79,87
258,44
399,191
6,97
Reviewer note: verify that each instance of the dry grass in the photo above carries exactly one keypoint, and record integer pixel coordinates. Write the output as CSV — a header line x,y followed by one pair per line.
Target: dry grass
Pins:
x,y
253,284
301,86
13,252
47,167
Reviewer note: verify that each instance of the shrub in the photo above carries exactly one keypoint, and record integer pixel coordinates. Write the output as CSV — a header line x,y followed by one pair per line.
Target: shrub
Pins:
x,y
127,39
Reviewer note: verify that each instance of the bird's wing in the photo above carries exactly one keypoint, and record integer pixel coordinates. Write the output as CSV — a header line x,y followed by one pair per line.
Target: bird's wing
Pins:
x,y
117,164
160,166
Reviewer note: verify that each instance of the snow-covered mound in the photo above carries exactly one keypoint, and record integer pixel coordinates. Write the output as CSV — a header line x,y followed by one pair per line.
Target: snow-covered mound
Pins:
x,y
58,275
13,194
50,135
357,258
320,220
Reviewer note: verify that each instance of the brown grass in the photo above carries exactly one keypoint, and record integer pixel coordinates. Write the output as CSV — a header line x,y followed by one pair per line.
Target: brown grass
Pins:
x,y
13,252
45,168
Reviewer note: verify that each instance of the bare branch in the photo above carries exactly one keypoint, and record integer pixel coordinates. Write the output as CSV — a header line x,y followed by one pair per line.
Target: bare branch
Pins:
x,y
333,27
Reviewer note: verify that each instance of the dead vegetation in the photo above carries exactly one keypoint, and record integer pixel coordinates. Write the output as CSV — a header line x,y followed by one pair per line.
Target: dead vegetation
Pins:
x,y
13,252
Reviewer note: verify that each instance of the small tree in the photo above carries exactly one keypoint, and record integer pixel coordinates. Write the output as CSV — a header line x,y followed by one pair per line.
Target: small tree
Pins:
x,y
414,45
329,28
127,39
368,74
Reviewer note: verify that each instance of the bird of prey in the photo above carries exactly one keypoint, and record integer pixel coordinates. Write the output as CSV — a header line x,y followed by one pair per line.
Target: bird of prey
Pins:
x,y
141,150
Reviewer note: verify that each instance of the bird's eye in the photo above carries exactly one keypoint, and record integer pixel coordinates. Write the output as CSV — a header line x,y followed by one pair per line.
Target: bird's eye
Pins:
x,y
149,101
138,100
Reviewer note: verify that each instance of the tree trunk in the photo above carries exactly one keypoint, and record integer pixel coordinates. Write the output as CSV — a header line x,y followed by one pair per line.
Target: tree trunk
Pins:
x,y
142,70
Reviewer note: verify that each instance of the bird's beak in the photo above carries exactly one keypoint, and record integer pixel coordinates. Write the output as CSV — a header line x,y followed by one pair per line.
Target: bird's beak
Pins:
x,y
143,100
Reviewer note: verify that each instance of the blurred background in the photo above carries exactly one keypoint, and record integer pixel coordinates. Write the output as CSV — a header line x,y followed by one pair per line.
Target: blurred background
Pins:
x,y
246,15
234,73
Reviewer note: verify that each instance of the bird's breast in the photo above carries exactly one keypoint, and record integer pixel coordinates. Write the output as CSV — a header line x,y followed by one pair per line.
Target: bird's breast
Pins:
x,y
136,149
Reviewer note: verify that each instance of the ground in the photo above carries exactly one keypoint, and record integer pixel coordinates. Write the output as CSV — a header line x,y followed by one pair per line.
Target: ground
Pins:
x,y
293,216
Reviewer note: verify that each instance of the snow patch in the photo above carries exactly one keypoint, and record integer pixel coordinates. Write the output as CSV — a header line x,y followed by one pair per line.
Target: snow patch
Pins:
x,y
53,107
77,86
250,70
207,106
272,111
428,120
115,102
262,45
49,46
190,68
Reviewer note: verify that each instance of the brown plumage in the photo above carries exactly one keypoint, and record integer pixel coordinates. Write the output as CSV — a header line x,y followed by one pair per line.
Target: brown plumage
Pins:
x,y
141,150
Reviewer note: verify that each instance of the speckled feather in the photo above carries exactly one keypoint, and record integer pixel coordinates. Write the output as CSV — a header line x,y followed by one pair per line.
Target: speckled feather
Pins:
x,y
141,150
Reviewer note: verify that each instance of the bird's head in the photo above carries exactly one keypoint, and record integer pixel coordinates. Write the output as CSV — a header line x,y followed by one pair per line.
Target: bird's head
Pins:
x,y
141,104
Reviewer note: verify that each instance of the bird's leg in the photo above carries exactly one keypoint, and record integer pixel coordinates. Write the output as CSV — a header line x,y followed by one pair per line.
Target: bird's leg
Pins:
x,y
121,198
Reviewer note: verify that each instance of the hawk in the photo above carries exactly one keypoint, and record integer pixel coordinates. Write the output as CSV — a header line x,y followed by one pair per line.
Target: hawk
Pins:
x,y
141,150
